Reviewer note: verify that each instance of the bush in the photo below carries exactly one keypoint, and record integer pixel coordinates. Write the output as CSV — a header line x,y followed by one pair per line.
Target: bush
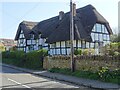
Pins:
x,y
31,60
78,52
88,51
13,54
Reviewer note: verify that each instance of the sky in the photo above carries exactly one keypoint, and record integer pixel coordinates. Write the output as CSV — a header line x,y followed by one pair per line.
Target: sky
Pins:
x,y
12,12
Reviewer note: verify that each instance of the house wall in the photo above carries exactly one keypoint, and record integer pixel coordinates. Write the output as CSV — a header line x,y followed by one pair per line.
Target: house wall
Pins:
x,y
30,44
100,38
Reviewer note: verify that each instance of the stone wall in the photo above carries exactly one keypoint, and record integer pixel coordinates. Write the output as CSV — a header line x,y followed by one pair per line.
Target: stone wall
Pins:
x,y
82,62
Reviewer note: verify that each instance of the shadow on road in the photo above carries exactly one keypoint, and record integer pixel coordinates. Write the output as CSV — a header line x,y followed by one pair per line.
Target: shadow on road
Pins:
x,y
8,70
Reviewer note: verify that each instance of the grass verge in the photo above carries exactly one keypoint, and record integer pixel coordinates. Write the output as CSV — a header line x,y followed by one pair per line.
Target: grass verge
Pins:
x,y
112,76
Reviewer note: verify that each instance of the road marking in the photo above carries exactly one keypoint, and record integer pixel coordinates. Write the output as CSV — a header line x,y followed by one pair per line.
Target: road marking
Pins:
x,y
18,83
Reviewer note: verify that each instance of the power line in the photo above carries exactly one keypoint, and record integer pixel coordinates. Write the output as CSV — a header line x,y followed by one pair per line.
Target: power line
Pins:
x,y
24,15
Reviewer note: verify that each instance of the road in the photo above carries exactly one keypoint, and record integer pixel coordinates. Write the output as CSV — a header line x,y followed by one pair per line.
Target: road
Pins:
x,y
12,78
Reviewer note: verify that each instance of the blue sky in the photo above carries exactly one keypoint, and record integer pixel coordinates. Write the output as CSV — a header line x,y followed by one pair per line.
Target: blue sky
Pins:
x,y
12,13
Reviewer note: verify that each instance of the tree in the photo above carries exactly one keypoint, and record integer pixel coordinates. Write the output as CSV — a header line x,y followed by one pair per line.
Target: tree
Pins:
x,y
115,37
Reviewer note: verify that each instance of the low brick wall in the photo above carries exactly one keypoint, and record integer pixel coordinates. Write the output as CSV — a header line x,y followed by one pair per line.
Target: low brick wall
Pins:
x,y
82,62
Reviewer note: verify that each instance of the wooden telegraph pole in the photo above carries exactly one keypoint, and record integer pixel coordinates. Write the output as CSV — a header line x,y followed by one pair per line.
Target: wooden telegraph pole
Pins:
x,y
72,14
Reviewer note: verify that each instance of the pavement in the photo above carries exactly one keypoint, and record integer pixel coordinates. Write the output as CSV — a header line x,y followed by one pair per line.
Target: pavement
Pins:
x,y
95,84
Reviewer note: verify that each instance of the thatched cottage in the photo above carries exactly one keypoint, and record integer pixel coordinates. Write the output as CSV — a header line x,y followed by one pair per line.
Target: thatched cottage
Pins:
x,y
91,30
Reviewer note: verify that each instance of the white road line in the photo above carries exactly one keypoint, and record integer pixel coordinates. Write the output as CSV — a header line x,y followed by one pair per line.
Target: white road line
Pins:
x,y
18,83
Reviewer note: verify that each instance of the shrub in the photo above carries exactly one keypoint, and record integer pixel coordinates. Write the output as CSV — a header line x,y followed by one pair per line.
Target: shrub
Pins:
x,y
32,60
88,51
13,54
78,52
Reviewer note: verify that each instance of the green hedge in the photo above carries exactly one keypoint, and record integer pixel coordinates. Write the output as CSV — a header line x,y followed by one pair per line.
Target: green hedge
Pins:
x,y
31,60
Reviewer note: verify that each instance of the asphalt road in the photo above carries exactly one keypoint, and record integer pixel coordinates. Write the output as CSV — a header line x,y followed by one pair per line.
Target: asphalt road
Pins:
x,y
12,78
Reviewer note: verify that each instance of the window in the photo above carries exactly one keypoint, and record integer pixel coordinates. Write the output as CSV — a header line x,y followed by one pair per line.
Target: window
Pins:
x,y
57,44
57,51
21,41
103,27
31,36
98,27
74,43
79,43
67,43
96,45
93,29
63,44
87,44
53,45
63,51
21,36
21,31
83,44
96,36
104,36
91,45
68,51
105,30
100,37
108,37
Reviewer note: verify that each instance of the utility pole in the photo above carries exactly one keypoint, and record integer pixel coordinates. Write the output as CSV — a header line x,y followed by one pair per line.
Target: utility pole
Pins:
x,y
72,14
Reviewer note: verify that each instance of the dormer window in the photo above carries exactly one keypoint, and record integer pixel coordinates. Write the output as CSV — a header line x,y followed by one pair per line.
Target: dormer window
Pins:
x,y
31,36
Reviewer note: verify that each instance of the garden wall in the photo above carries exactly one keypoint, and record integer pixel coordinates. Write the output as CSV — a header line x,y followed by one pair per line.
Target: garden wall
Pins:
x,y
82,62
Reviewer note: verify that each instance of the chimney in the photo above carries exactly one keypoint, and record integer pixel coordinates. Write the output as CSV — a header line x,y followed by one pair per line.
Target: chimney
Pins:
x,y
61,13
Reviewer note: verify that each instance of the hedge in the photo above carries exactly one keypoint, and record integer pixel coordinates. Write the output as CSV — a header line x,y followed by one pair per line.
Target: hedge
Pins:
x,y
31,60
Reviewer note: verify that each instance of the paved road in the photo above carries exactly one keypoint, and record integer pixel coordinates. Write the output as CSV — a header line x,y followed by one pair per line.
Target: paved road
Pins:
x,y
12,78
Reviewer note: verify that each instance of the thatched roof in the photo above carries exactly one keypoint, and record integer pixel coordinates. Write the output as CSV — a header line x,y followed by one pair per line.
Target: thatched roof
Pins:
x,y
85,20
27,28
55,30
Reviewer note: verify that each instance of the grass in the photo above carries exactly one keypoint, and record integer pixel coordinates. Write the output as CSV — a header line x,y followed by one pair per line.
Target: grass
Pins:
x,y
20,63
112,78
